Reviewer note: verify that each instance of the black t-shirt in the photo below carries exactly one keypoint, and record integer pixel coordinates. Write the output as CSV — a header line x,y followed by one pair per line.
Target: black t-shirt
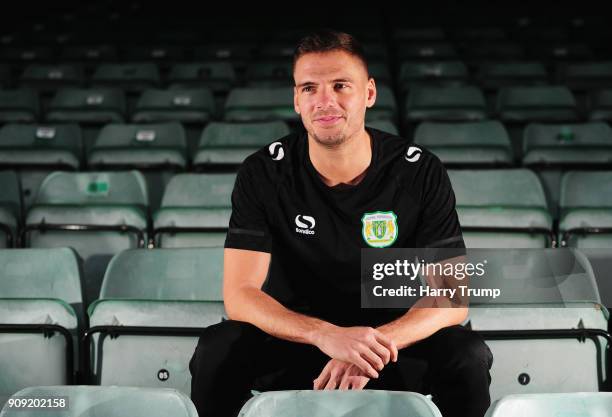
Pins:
x,y
315,232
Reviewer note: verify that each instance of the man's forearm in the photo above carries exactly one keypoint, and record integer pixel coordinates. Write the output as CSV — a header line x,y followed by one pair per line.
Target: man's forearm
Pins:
x,y
256,307
421,322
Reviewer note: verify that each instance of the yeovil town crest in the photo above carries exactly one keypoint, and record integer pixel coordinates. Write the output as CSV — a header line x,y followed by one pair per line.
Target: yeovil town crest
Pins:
x,y
379,229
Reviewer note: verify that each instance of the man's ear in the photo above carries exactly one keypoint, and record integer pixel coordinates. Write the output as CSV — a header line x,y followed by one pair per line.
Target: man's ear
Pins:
x,y
371,93
296,106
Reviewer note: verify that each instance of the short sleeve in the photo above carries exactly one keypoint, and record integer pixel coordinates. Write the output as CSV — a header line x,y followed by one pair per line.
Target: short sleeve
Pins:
x,y
248,228
438,223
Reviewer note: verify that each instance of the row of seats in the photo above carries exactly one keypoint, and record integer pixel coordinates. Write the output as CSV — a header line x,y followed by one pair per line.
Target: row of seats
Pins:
x,y
164,297
222,76
160,402
102,213
197,105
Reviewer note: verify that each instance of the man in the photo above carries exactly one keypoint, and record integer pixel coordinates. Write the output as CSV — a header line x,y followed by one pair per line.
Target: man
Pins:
x,y
300,214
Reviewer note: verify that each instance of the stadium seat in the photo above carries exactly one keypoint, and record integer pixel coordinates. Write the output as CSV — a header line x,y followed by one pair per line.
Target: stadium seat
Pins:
x,y
85,400
163,55
461,103
41,312
539,104
260,104
469,143
586,209
276,50
19,106
89,55
154,297
380,72
493,76
181,105
432,73
95,105
370,403
385,107
268,74
584,76
10,209
36,150
493,51
157,150
219,77
132,78
237,53
600,105
426,51
415,34
195,211
479,34
384,125
502,208
5,76
548,313
49,78
27,55
96,213
563,145
561,51
585,404
224,143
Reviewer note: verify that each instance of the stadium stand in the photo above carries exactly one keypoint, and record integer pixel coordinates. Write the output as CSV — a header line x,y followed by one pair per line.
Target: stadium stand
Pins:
x,y
10,209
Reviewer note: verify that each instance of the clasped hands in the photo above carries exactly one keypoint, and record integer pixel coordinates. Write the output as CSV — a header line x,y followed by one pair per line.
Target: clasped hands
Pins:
x,y
357,355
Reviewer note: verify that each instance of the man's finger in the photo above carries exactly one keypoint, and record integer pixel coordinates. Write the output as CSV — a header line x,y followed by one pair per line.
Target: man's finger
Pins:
x,y
365,367
344,384
331,384
323,377
374,360
359,383
382,352
388,343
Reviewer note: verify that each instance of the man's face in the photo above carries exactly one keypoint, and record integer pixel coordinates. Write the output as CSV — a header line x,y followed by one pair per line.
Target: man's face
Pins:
x,y
331,93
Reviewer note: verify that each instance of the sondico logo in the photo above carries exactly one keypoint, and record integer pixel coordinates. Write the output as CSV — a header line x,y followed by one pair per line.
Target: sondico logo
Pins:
x,y
413,154
305,224
276,151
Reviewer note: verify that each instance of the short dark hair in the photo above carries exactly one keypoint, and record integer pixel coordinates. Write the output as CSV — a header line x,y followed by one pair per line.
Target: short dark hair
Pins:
x,y
327,40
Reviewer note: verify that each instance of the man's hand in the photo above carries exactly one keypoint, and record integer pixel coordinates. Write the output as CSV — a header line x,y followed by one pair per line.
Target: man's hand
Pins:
x,y
341,375
365,347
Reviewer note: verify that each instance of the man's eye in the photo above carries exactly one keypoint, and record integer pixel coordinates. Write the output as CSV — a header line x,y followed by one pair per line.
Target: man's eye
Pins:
x,y
339,86
308,89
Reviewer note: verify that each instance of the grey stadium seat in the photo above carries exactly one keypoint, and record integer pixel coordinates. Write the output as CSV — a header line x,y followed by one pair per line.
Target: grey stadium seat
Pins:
x,y
96,213
503,208
10,208
195,211
160,291
88,401
432,73
460,103
260,104
20,106
584,404
132,78
496,75
220,77
40,291
48,78
385,107
539,103
186,105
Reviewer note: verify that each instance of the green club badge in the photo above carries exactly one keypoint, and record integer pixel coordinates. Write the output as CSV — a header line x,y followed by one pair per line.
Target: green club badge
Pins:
x,y
379,229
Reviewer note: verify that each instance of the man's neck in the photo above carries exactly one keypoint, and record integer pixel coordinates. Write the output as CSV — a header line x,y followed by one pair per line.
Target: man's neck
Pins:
x,y
342,164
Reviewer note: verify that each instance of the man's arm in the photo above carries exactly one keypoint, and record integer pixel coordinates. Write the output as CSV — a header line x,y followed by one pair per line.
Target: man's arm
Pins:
x,y
243,276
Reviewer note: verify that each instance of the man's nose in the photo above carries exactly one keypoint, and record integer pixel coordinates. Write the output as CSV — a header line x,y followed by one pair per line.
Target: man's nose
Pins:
x,y
326,98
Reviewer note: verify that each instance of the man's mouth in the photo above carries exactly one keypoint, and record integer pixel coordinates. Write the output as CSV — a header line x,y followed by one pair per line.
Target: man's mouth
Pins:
x,y
328,119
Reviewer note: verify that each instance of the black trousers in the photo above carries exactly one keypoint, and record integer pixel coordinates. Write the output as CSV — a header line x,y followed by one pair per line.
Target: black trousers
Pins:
x,y
234,357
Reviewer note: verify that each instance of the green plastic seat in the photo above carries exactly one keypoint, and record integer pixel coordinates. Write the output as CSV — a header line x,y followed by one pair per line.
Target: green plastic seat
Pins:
x,y
237,53
578,404
38,287
19,106
502,208
496,75
600,105
567,144
220,77
480,34
260,104
552,291
385,107
91,106
415,34
10,208
562,51
36,150
182,105
114,203
455,103
370,403
426,51
270,73
89,54
5,75
154,53
538,103
27,54
469,143
230,143
375,52
47,78
384,125
158,288
584,76
200,202
88,401
132,78
434,73
494,50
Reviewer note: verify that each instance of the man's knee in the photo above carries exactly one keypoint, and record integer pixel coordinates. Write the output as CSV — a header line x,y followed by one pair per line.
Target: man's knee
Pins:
x,y
223,341
465,350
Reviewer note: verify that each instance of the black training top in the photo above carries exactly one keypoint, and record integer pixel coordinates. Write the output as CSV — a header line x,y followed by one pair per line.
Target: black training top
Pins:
x,y
315,232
